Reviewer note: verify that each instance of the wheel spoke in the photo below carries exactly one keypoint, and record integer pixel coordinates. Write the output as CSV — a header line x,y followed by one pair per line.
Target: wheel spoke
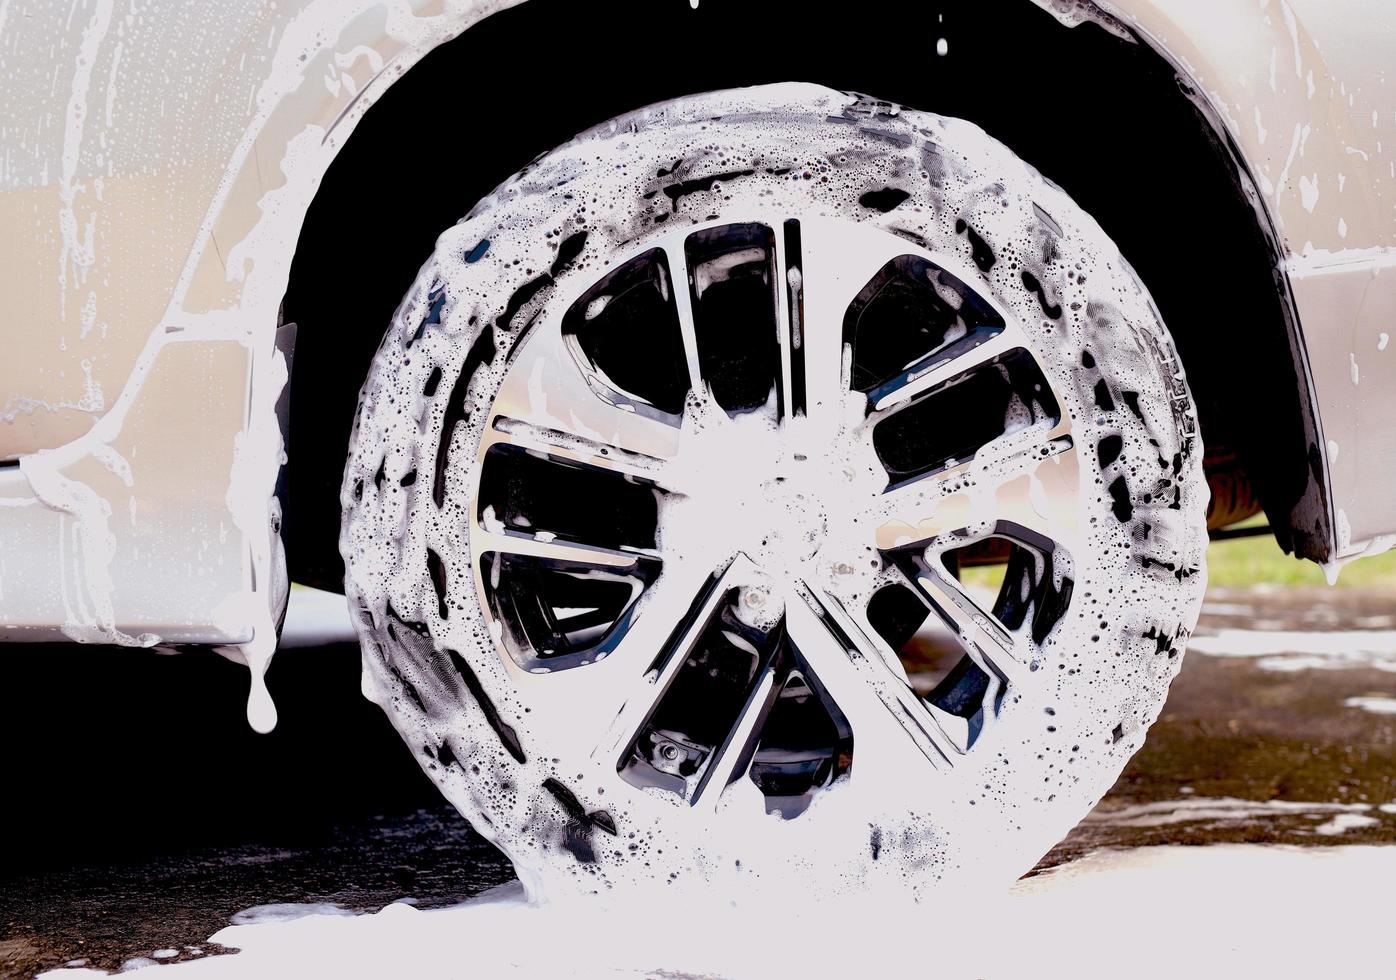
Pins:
x,y
1002,655
837,260
500,541
681,608
579,449
790,288
550,395
1028,478
666,619
973,352
607,700
683,304
731,759
735,309
887,717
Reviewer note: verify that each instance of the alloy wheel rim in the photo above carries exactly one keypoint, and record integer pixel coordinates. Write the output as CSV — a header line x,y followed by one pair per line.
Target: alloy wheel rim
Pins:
x,y
635,530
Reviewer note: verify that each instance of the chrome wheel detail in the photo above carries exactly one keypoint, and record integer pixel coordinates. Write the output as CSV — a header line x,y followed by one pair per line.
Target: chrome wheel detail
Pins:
x,y
932,426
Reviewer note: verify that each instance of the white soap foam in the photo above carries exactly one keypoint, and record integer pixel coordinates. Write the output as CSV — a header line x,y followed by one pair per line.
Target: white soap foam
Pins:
x,y
1227,609
1220,908
1212,810
1376,704
1343,822
286,912
1291,650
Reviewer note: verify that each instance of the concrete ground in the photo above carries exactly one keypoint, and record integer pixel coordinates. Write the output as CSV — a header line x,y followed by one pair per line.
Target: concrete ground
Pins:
x,y
134,849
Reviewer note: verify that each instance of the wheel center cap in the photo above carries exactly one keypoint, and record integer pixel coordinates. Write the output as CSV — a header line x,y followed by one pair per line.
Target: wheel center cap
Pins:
x,y
747,489
793,526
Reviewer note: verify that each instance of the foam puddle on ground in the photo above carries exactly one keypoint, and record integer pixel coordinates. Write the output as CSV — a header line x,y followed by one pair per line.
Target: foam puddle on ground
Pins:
x,y
1218,910
1336,817
1375,704
1291,650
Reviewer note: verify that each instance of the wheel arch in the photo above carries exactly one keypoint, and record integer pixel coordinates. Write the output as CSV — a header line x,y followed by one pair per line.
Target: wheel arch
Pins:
x,y
404,143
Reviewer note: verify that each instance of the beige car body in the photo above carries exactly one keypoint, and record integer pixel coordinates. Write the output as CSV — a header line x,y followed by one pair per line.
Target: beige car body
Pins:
x,y
151,203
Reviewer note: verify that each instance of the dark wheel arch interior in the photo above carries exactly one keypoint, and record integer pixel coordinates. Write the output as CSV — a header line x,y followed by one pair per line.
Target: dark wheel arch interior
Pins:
x,y
1106,119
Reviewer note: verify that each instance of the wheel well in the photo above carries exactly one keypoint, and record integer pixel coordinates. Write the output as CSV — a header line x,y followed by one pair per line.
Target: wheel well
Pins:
x,y
1107,119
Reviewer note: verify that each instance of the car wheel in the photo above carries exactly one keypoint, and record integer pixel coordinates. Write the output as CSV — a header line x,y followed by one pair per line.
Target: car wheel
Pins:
x,y
771,487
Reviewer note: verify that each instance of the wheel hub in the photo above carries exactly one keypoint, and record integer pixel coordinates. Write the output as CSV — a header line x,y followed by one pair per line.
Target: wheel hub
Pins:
x,y
796,520
775,505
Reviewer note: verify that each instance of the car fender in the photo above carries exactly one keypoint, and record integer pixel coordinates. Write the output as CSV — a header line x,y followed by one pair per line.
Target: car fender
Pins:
x,y
151,239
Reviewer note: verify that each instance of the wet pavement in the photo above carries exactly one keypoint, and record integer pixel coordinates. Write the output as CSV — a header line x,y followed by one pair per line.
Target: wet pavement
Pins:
x,y
1280,729
105,915
1264,727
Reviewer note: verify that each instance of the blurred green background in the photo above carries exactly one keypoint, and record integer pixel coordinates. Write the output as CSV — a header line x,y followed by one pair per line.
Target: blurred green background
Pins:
x,y
1259,561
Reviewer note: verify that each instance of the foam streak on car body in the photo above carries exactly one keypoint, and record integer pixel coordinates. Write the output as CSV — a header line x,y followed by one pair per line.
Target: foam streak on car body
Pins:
x,y
257,260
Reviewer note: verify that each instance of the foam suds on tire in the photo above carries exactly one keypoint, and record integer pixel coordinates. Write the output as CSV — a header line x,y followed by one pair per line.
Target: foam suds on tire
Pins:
x,y
766,154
